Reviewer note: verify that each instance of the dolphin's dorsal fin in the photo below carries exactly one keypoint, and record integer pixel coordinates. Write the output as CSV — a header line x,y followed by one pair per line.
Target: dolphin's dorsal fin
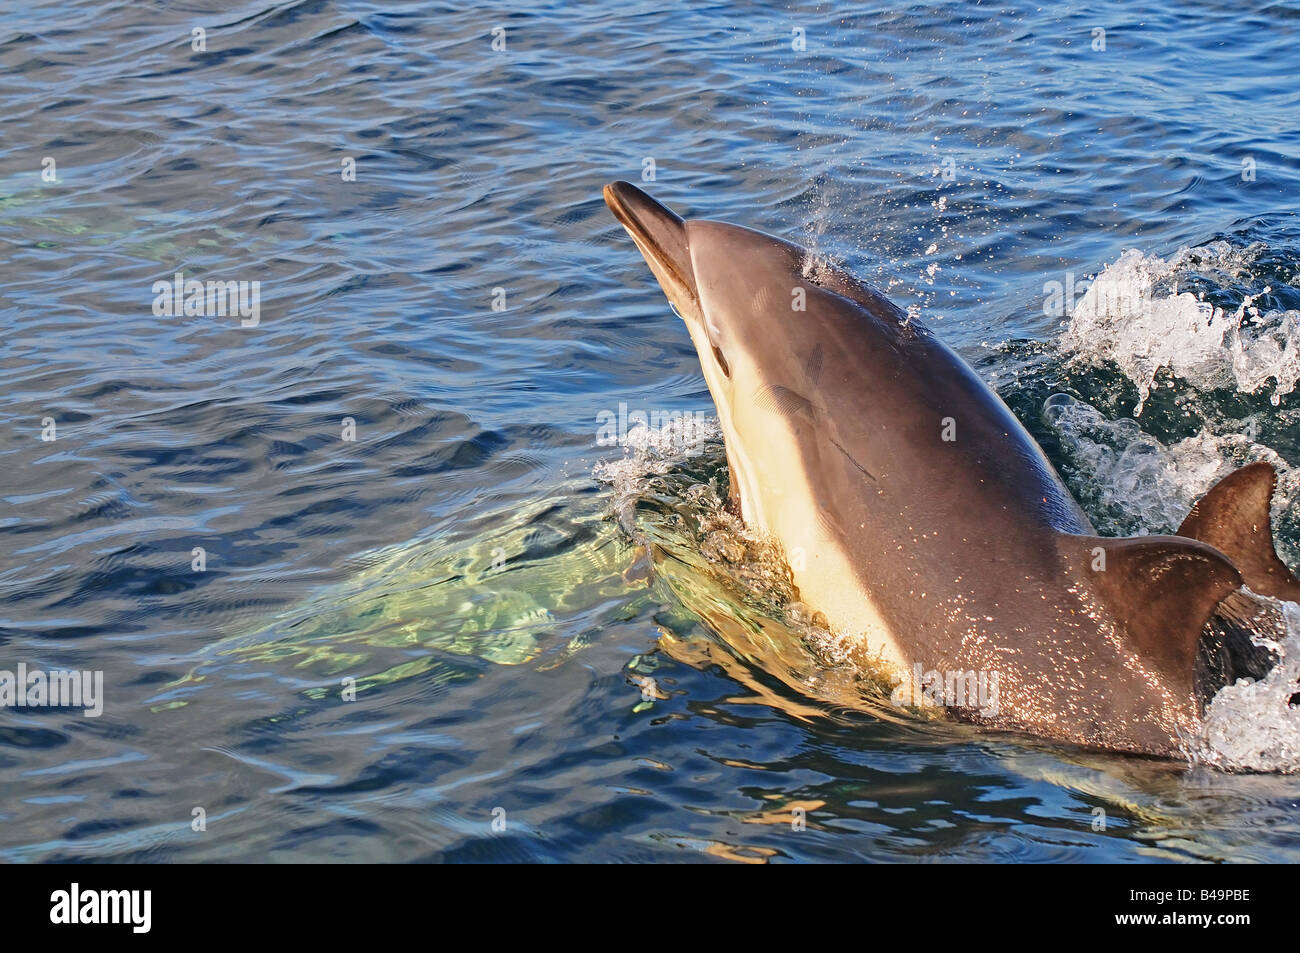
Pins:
x,y
1161,590
1234,517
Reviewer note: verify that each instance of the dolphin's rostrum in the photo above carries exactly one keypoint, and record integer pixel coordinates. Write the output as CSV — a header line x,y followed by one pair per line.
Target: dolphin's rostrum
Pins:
x,y
928,522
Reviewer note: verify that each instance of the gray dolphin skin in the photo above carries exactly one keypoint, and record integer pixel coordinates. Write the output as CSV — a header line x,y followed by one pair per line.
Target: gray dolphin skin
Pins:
x,y
921,519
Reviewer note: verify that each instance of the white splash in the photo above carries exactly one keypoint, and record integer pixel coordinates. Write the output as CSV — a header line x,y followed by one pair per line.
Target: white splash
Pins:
x,y
1251,726
1134,315
1149,485
651,452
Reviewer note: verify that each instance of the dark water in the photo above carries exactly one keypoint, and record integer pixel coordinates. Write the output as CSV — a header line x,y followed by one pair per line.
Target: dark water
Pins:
x,y
460,558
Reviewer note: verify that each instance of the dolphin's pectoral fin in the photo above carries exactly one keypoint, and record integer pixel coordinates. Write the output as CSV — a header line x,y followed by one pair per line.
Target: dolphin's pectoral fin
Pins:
x,y
1161,589
1234,517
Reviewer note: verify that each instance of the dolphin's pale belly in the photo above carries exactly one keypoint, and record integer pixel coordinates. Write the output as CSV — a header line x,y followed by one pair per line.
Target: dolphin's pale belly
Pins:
x,y
780,498
830,585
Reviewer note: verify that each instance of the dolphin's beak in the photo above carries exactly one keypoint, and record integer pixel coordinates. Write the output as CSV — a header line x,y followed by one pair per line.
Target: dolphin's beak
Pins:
x,y
661,236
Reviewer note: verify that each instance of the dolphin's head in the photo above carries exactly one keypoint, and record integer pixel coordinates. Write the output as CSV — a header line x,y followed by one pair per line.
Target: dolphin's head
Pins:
x,y
688,258
738,290
664,239
755,307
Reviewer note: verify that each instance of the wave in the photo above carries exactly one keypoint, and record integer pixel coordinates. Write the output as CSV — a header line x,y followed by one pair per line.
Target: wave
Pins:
x,y
1139,315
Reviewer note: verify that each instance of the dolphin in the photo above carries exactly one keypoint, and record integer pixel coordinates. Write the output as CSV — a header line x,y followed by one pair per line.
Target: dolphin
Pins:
x,y
921,519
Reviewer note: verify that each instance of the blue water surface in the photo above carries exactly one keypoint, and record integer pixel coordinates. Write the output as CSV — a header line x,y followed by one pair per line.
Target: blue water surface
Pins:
x,y
470,306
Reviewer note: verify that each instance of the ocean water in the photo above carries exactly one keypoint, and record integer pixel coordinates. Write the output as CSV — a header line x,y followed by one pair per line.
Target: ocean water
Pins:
x,y
362,580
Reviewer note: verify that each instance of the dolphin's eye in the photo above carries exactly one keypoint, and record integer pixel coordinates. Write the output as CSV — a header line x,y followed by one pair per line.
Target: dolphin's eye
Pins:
x,y
722,362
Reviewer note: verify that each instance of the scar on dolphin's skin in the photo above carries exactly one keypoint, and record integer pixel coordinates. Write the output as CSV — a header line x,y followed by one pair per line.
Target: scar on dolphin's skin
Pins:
x,y
848,456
